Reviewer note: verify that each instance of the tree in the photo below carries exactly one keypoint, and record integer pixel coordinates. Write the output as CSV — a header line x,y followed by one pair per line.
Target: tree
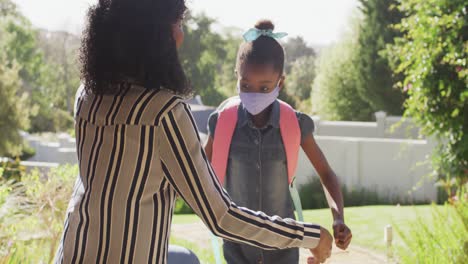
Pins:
x,y
432,54
375,77
334,91
20,49
14,113
202,55
226,79
296,48
301,76
60,51
46,82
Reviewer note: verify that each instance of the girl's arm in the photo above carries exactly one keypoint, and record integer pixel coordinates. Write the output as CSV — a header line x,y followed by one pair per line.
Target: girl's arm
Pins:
x,y
327,176
209,147
331,188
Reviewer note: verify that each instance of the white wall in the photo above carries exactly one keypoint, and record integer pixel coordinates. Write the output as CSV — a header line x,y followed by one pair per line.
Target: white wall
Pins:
x,y
392,167
384,127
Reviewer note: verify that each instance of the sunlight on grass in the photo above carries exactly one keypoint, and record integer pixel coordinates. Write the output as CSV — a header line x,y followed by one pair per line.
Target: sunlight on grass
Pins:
x,y
368,222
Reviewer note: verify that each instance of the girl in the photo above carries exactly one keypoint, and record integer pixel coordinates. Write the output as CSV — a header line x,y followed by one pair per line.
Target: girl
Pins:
x,y
138,148
250,151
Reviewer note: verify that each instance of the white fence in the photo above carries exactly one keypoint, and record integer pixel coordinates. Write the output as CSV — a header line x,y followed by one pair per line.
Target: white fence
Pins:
x,y
384,127
394,168
370,155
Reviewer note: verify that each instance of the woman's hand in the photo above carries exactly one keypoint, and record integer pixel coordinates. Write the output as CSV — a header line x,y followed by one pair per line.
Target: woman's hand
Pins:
x,y
323,249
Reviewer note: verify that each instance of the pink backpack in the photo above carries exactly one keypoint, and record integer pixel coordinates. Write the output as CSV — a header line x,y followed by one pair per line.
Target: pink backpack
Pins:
x,y
227,121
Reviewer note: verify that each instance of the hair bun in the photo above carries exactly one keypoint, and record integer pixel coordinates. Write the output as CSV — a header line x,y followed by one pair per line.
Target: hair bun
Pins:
x,y
265,24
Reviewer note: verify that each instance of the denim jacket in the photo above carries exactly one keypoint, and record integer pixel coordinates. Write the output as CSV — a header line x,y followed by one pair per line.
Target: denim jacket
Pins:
x,y
256,175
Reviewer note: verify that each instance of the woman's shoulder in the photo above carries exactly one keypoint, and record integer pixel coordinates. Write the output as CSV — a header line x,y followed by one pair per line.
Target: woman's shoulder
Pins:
x,y
149,106
133,105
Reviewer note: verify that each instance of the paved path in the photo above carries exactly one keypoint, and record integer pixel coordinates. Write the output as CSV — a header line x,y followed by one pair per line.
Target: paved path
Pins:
x,y
199,234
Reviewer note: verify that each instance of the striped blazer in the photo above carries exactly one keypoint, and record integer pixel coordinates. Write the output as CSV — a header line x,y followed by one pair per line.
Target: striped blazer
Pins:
x,y
138,150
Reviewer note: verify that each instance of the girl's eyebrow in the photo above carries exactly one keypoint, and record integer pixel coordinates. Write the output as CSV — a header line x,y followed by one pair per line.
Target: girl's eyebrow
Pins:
x,y
266,81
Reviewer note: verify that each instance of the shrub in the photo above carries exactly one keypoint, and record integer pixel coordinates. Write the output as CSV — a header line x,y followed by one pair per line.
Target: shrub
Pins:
x,y
181,207
442,240
27,152
11,170
63,121
313,197
32,214
432,54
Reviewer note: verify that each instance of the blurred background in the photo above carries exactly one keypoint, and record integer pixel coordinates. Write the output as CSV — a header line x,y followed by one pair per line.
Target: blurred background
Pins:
x,y
386,82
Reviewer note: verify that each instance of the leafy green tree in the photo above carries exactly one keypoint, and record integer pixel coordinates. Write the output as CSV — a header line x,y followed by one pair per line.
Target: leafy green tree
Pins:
x,y
375,77
8,8
432,54
46,82
20,49
226,79
202,56
301,76
60,51
14,113
335,89
296,48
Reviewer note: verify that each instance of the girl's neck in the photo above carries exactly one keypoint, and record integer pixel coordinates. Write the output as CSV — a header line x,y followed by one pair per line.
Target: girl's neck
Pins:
x,y
261,119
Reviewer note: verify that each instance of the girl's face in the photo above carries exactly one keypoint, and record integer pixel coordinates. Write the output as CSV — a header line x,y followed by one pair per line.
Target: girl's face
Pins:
x,y
258,78
178,33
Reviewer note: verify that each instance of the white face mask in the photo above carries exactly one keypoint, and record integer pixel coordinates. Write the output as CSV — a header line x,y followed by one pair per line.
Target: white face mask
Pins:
x,y
255,103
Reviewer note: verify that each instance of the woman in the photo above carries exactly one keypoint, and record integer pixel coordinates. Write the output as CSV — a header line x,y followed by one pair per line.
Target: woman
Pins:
x,y
138,148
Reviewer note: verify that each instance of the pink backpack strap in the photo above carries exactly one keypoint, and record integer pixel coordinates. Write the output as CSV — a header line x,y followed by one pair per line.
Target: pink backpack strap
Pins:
x,y
291,136
225,126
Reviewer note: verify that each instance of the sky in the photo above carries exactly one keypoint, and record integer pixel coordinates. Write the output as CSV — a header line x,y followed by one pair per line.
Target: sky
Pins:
x,y
320,22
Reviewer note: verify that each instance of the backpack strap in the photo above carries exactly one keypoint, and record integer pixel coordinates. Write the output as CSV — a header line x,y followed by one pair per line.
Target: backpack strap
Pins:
x,y
291,136
227,121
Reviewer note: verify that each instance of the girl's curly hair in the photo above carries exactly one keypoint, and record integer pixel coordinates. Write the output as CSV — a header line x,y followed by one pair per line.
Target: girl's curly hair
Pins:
x,y
131,41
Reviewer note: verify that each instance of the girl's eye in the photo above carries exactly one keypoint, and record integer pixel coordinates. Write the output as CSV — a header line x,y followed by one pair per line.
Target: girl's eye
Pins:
x,y
245,86
264,89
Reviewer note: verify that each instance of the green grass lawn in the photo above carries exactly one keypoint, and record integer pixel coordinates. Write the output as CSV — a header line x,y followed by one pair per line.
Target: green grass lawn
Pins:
x,y
367,223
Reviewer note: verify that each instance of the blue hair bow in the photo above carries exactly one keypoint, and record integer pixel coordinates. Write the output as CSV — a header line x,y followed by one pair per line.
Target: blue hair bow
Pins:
x,y
254,33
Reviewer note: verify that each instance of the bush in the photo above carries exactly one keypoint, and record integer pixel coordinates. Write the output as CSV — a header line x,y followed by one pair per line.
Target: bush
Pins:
x,y
181,207
63,121
49,119
27,152
11,170
32,214
432,54
313,197
441,241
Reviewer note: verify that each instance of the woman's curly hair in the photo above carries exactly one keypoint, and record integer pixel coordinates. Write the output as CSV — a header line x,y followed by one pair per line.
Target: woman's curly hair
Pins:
x,y
132,41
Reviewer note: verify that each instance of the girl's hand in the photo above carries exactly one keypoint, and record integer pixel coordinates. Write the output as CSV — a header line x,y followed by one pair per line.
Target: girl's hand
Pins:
x,y
342,234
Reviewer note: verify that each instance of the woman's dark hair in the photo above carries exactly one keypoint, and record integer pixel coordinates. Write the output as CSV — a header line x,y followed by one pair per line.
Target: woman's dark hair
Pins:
x,y
262,51
132,41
